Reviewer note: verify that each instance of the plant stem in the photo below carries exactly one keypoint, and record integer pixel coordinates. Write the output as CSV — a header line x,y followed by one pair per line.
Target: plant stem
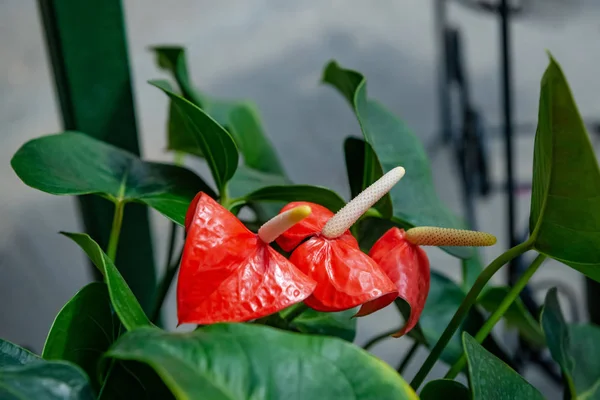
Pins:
x,y
379,338
464,308
115,232
163,288
408,356
295,313
496,315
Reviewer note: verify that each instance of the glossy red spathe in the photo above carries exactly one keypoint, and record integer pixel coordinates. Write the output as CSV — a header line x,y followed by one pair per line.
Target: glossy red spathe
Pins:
x,y
407,265
345,276
228,274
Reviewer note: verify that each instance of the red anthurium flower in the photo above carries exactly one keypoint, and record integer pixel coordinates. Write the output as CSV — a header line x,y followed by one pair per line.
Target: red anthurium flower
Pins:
x,y
399,255
345,276
229,273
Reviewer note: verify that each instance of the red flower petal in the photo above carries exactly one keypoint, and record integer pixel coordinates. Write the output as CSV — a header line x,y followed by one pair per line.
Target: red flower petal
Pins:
x,y
309,226
407,266
346,277
228,274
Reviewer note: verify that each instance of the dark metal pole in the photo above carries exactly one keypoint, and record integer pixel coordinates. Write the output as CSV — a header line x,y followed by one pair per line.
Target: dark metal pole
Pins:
x,y
508,130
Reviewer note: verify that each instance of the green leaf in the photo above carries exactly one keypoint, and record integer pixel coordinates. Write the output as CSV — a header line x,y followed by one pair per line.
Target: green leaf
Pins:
x,y
363,169
517,316
209,137
44,380
123,301
269,364
491,379
128,380
574,347
565,200
83,329
240,118
72,163
337,324
444,389
315,194
414,199
13,355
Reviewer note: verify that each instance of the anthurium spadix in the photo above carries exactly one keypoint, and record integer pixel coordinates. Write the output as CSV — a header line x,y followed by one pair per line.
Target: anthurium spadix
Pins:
x,y
230,274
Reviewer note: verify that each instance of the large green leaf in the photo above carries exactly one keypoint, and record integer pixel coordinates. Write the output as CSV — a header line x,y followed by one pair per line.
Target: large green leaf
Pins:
x,y
83,329
72,163
363,169
516,316
12,355
44,380
128,380
337,324
269,364
314,194
123,301
565,200
240,118
575,347
491,379
414,198
214,142
444,389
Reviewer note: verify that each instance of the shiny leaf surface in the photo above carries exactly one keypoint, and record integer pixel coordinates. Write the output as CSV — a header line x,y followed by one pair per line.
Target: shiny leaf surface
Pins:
x,y
198,364
444,389
13,355
123,300
83,329
337,324
414,199
565,202
491,379
72,163
314,194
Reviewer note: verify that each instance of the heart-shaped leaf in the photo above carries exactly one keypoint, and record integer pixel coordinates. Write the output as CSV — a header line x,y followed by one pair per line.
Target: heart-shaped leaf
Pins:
x,y
123,301
270,364
133,380
491,379
575,347
363,169
72,163
337,324
565,200
11,355
516,316
212,139
83,329
44,380
444,389
287,193
414,199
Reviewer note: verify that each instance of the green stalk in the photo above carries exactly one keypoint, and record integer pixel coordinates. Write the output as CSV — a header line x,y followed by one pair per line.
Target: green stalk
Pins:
x,y
406,360
115,231
464,308
295,313
496,315
379,338
163,288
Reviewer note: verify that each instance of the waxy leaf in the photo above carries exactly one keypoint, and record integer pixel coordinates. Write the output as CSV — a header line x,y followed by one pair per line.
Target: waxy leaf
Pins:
x,y
13,355
212,139
44,380
575,348
270,364
240,118
337,324
364,169
288,193
492,379
565,201
414,199
444,389
83,329
123,301
129,380
72,163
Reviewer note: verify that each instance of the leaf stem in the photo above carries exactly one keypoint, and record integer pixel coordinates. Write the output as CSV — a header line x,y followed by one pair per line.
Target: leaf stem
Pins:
x,y
163,288
464,308
408,356
379,338
115,231
295,313
496,315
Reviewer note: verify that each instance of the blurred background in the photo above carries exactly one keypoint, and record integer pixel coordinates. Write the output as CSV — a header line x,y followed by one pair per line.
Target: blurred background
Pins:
x,y
273,52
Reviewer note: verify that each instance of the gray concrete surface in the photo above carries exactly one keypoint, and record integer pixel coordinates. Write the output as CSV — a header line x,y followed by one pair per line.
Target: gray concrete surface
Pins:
x,y
272,52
